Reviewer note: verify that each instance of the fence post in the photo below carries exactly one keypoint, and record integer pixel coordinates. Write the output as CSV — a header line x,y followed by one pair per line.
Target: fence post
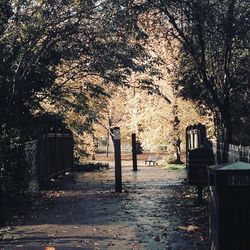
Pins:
x,y
134,153
241,153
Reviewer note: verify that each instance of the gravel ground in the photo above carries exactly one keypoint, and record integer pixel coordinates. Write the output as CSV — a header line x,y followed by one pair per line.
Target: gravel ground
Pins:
x,y
155,211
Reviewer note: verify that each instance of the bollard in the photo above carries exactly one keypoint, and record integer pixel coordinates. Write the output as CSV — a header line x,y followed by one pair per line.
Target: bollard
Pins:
x,y
117,149
134,153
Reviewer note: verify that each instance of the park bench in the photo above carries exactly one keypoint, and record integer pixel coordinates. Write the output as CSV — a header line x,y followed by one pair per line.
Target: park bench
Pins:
x,y
152,159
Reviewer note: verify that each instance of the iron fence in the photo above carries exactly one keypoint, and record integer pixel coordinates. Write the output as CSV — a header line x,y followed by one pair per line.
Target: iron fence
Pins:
x,y
231,153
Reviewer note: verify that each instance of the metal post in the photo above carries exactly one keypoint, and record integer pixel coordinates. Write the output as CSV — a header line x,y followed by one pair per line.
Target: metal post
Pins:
x,y
117,149
134,153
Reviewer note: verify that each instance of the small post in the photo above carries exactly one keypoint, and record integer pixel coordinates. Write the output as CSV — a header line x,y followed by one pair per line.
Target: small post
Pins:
x,y
117,148
134,153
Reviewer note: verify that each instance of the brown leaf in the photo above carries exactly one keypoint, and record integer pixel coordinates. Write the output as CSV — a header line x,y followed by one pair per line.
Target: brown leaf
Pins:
x,y
189,229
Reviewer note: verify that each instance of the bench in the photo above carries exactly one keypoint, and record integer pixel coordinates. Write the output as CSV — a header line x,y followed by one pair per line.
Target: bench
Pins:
x,y
152,159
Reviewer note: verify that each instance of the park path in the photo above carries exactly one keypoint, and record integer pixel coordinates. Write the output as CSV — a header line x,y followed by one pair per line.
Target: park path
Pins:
x,y
86,213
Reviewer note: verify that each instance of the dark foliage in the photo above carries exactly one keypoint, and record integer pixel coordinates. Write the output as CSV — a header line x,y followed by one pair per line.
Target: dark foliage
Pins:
x,y
215,66
35,38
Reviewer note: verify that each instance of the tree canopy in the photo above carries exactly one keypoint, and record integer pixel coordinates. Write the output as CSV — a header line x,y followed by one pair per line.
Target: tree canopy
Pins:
x,y
67,53
48,49
38,38
215,63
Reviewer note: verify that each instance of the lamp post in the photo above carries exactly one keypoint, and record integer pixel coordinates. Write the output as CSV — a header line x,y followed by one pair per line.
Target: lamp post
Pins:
x,y
116,135
134,153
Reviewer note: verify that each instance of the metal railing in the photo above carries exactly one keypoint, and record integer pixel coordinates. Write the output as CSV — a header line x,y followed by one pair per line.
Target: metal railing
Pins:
x,y
231,153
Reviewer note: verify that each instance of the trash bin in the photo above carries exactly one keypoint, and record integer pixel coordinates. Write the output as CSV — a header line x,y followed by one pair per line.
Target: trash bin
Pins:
x,y
229,206
197,162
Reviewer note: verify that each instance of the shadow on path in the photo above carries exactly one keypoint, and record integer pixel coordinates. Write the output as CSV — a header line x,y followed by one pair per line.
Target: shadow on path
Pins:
x,y
151,213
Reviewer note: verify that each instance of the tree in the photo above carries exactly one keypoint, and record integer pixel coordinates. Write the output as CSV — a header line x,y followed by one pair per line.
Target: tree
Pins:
x,y
90,38
44,47
215,39
150,105
167,54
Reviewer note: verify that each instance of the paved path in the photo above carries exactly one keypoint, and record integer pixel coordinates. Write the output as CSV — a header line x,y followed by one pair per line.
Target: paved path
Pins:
x,y
88,214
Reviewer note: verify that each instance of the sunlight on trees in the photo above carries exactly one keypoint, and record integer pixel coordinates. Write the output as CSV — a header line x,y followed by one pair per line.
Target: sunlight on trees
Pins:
x,y
215,39
68,57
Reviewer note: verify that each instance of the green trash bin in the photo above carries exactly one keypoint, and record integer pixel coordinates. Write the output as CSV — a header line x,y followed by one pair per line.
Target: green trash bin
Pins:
x,y
229,206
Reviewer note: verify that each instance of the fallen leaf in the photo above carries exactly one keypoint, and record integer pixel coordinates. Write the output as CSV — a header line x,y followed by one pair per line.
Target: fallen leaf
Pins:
x,y
189,229
49,248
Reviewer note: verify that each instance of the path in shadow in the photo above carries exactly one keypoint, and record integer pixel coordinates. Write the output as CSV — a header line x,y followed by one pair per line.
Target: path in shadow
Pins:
x,y
88,214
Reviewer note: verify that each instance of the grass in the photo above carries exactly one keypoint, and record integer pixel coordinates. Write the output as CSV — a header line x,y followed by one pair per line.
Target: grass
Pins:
x,y
92,166
172,166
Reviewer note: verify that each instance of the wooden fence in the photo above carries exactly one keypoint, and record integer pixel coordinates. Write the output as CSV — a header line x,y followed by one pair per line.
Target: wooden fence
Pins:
x,y
49,156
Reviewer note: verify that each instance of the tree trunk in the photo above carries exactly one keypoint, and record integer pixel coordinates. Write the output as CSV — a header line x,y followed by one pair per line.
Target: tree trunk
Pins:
x,y
227,125
227,130
95,145
176,135
178,151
